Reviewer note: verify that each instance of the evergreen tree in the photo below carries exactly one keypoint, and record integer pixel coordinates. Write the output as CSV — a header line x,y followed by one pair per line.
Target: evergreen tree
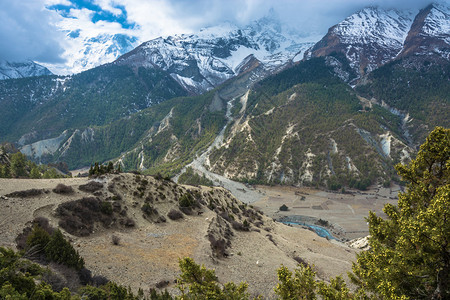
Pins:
x,y
197,282
410,250
18,164
61,251
5,171
35,173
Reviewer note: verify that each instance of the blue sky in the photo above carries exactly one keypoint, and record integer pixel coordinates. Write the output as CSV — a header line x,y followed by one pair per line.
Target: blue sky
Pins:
x,y
44,30
99,14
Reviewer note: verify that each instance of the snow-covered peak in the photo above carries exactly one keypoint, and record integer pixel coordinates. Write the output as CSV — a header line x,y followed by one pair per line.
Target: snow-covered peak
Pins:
x,y
373,24
221,30
368,38
437,22
207,58
9,70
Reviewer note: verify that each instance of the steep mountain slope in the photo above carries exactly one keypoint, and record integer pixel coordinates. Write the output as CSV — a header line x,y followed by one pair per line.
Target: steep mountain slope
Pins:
x,y
429,35
43,107
10,70
299,127
417,89
200,62
157,70
368,38
302,125
164,137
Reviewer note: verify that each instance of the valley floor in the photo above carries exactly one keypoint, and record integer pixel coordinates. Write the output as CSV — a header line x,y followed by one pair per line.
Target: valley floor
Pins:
x,y
345,213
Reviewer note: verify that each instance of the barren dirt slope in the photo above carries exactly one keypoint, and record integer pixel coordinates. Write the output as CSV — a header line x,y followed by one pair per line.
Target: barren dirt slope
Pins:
x,y
216,230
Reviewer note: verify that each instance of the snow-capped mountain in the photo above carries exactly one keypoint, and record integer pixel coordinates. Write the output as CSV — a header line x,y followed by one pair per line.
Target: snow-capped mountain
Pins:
x,y
86,51
9,70
373,36
430,33
202,61
368,38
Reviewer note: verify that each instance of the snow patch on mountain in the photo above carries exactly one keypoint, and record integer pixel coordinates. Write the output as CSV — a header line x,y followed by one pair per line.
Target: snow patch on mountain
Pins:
x,y
10,70
201,61
375,25
437,22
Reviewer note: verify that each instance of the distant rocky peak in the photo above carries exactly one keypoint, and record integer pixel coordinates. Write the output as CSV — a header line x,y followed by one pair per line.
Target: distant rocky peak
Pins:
x,y
203,60
374,24
21,69
429,36
269,22
437,20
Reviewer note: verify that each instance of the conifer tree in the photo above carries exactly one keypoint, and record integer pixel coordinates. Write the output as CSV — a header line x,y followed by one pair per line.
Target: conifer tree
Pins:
x,y
410,250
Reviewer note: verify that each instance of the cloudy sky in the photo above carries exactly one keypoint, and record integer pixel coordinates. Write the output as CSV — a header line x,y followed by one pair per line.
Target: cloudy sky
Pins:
x,y
38,29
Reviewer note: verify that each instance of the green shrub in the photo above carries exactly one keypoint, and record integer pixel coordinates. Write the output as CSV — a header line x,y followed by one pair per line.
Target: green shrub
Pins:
x,y
106,208
61,251
284,207
186,200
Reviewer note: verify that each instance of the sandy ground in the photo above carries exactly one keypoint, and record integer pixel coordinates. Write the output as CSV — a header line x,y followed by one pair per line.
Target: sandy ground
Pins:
x,y
149,253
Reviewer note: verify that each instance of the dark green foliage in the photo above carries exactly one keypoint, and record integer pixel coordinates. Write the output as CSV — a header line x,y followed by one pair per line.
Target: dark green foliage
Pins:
x,y
38,238
155,295
284,207
109,291
106,208
192,178
409,256
100,169
61,251
16,275
18,165
421,89
197,282
186,200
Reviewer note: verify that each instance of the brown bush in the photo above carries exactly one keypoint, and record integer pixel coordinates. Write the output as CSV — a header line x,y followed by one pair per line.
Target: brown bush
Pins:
x,y
25,194
162,284
78,217
239,226
301,261
63,189
115,240
91,187
175,214
218,246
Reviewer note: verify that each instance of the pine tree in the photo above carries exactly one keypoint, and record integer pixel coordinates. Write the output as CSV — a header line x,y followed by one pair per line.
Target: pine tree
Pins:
x,y
35,173
61,251
18,164
410,251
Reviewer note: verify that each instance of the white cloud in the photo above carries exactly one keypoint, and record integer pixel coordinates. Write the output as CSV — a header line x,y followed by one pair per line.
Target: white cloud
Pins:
x,y
28,31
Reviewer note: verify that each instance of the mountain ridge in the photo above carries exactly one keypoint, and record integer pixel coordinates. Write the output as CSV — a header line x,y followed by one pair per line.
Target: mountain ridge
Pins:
x,y
21,69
